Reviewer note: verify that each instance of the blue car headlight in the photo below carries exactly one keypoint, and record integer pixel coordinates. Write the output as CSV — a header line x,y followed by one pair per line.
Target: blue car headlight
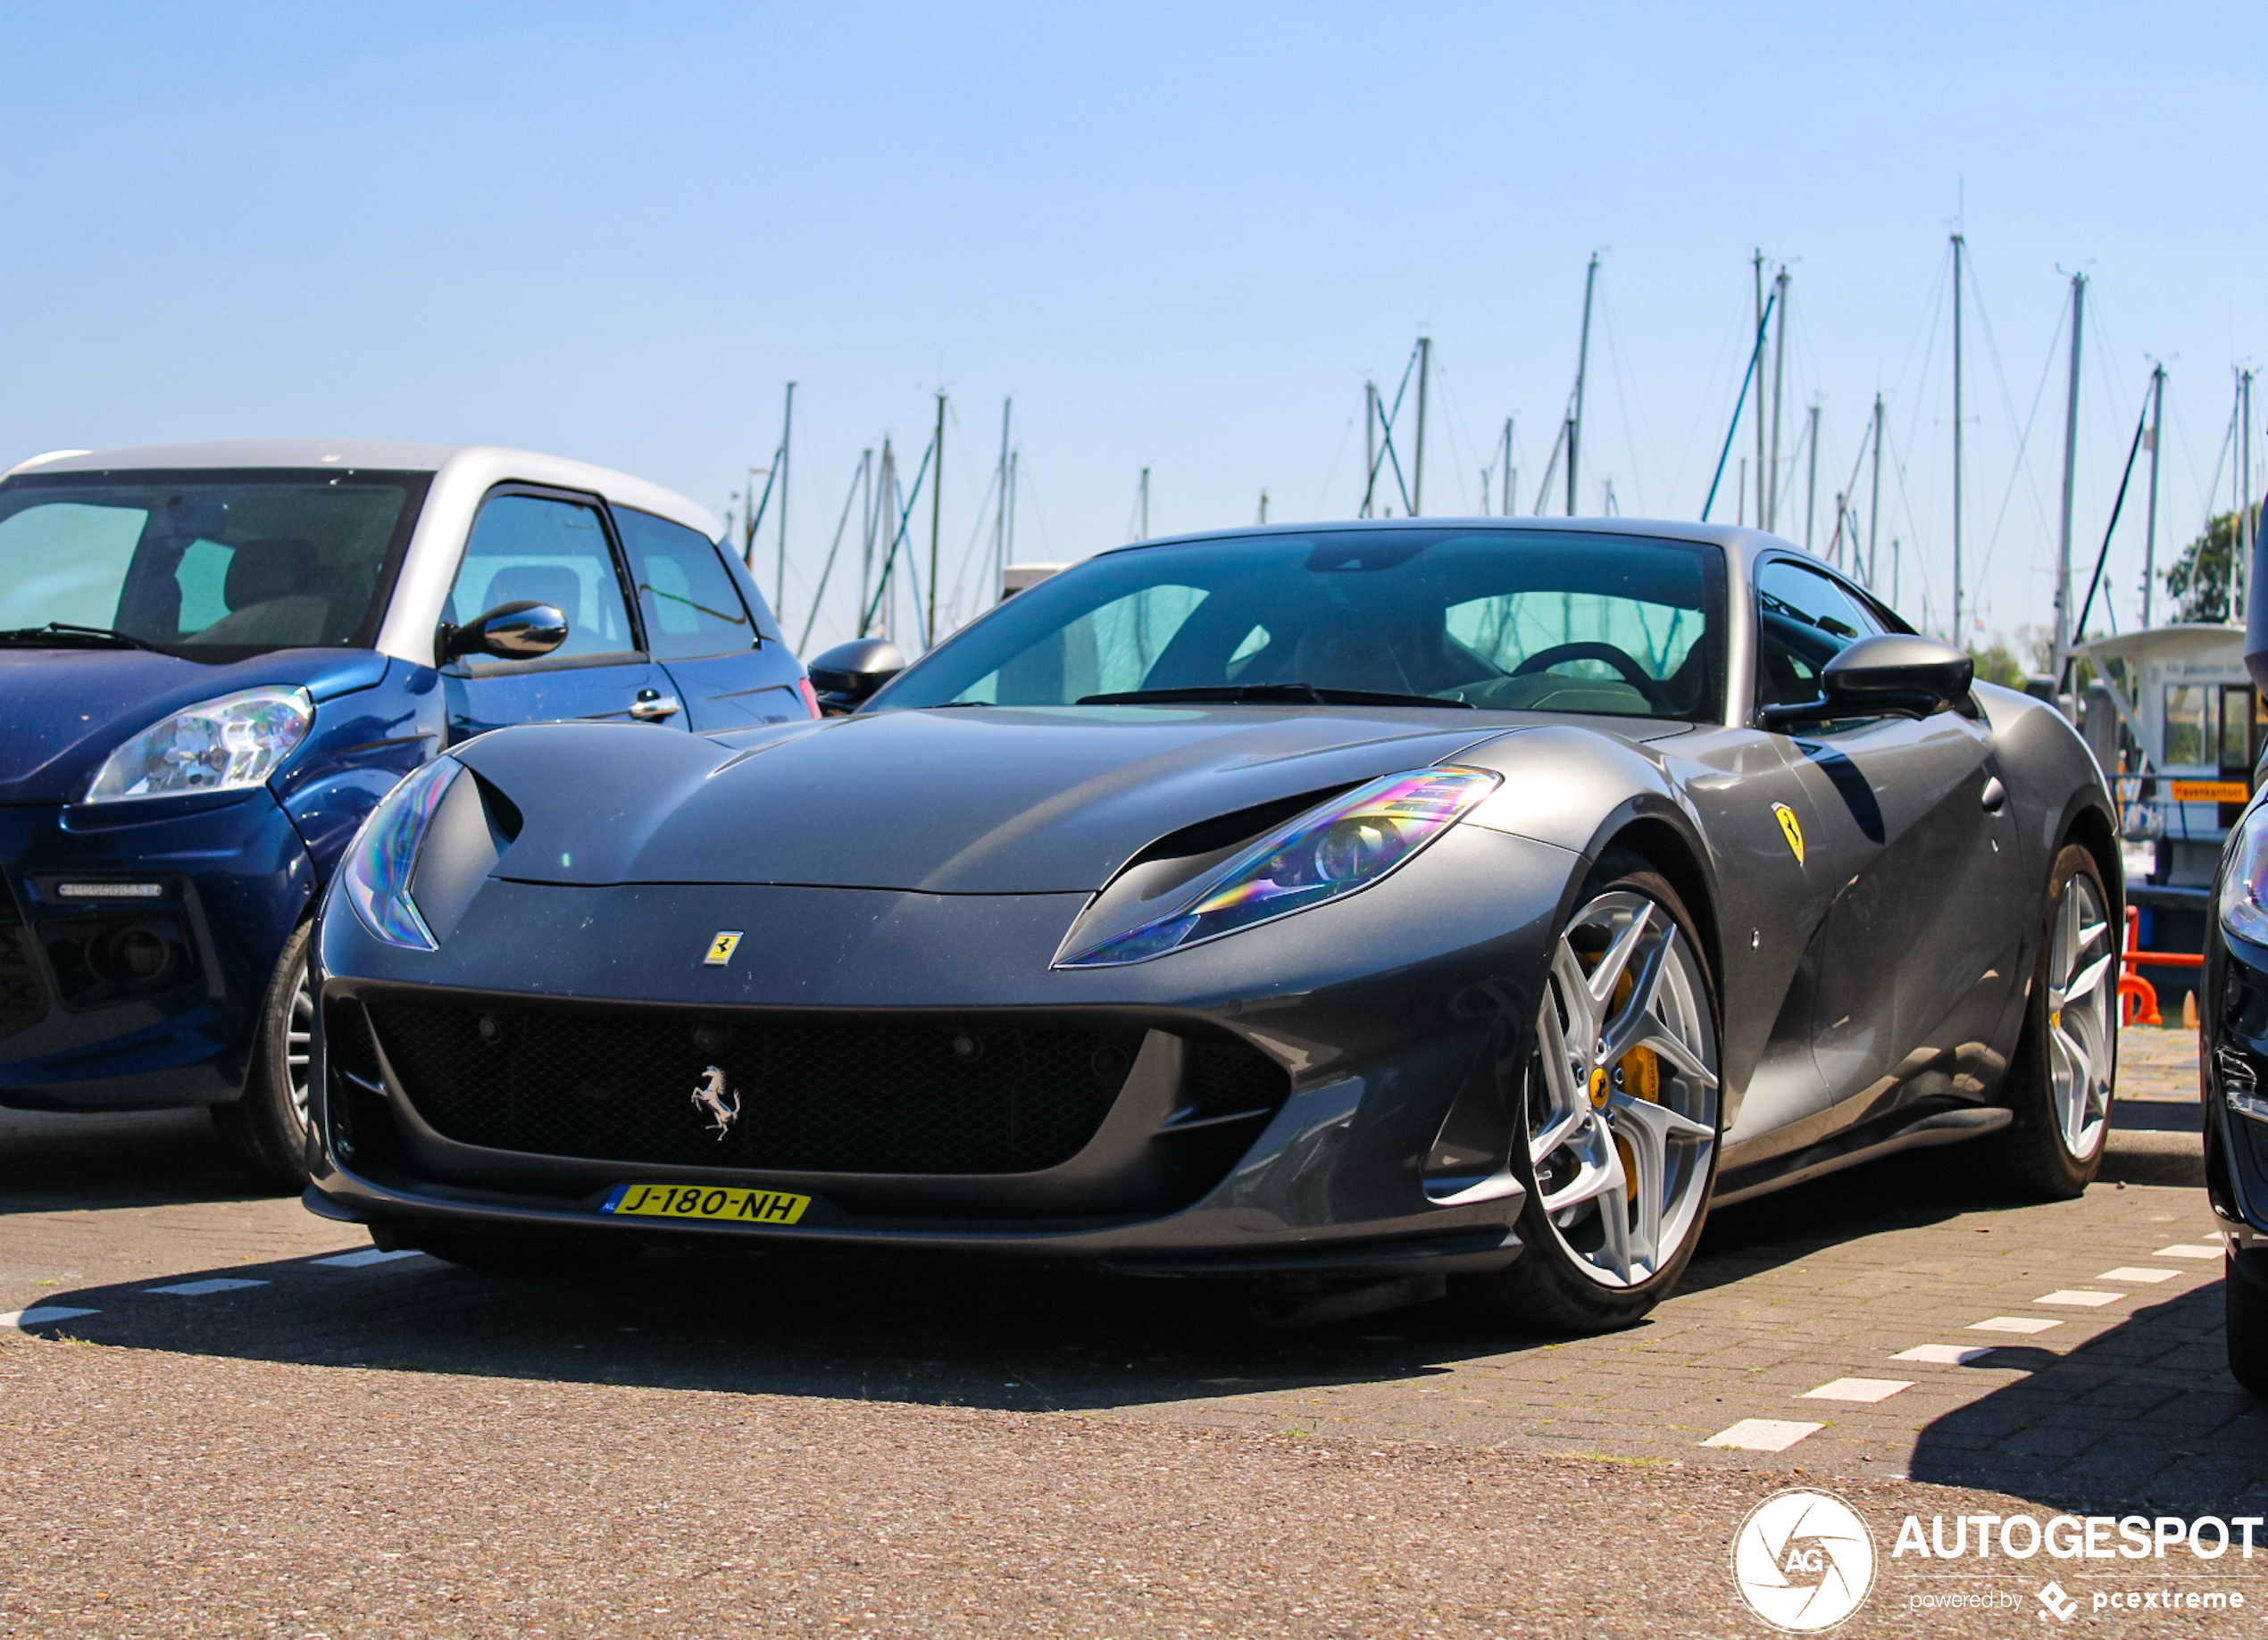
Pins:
x,y
2244,882
228,745
1353,841
376,875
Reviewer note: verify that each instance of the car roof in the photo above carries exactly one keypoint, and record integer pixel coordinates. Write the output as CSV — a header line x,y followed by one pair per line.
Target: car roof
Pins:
x,y
1739,542
335,454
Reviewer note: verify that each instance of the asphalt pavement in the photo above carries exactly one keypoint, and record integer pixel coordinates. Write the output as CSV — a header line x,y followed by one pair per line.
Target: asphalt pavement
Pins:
x,y
224,1416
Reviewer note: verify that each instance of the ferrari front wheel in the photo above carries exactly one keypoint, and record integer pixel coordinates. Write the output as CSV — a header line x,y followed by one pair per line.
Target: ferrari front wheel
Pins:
x,y
1618,1141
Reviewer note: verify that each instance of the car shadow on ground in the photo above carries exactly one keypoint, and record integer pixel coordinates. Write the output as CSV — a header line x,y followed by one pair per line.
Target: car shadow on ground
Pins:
x,y
879,1328
2144,1415
55,1163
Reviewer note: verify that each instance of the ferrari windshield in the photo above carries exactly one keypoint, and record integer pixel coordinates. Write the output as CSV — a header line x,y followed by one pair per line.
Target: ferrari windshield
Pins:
x,y
1504,620
215,564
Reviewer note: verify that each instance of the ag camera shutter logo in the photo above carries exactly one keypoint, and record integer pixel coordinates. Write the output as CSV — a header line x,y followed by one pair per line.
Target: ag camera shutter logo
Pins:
x,y
1803,1560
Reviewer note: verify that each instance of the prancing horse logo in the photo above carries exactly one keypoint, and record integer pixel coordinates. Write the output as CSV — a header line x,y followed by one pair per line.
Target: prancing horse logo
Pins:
x,y
711,1096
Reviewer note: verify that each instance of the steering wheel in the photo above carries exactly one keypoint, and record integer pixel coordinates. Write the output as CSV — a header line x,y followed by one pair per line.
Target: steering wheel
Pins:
x,y
1633,674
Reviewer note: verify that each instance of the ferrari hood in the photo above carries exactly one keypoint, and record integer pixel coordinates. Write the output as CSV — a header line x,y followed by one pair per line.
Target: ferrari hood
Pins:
x,y
976,800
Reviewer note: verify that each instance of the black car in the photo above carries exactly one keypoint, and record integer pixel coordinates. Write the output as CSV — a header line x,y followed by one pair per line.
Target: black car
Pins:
x,y
1372,908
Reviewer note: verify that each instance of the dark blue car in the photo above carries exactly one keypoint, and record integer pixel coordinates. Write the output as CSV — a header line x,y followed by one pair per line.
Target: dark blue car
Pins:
x,y
216,658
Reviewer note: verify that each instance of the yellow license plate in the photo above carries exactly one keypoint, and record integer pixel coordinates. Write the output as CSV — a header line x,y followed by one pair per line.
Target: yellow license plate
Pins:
x,y
711,1201
2210,791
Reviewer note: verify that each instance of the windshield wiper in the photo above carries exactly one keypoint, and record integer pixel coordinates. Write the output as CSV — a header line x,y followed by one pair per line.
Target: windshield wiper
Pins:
x,y
71,632
1268,694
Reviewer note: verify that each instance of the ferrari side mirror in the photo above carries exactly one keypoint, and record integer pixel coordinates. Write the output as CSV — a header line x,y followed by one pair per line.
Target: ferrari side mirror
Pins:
x,y
1896,674
848,675
510,632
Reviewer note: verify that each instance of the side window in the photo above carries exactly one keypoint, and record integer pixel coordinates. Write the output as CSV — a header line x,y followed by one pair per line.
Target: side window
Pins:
x,y
685,595
543,550
1803,620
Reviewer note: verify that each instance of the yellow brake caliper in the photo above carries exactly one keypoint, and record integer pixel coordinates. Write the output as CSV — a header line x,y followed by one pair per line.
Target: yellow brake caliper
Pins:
x,y
1638,1072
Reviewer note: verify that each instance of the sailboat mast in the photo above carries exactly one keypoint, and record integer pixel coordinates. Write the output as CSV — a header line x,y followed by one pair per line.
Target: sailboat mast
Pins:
x,y
2070,472
1810,487
2247,528
1762,418
1769,494
1000,511
1509,486
1875,506
1143,492
2150,524
937,520
1958,246
1417,479
779,580
1370,447
1582,367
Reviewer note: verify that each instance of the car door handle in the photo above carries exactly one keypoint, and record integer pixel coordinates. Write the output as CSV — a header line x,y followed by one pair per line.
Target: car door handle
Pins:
x,y
1995,795
652,706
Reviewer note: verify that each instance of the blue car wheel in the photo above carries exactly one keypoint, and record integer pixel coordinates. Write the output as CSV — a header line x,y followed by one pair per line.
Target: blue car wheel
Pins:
x,y
265,1132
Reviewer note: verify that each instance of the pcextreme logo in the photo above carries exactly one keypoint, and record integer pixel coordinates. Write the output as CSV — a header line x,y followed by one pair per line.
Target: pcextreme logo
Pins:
x,y
1803,1560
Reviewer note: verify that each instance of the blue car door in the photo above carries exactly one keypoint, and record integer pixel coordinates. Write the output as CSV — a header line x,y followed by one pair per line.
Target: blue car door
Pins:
x,y
708,627
554,547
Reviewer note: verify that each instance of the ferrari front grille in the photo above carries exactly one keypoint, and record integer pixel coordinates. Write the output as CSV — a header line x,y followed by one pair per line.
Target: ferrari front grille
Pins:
x,y
811,1092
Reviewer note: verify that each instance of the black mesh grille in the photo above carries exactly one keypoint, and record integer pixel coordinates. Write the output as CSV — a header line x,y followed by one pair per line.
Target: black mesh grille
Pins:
x,y
831,1093
23,999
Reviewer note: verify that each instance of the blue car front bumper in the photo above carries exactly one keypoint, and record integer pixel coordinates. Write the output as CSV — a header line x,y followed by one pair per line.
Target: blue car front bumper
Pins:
x,y
119,1000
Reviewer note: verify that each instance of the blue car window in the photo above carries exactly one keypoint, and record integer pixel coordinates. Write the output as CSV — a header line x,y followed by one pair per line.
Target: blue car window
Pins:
x,y
540,549
687,596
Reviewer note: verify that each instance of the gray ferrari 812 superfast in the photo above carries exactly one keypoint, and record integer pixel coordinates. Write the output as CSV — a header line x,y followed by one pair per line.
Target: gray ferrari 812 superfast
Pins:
x,y
1373,910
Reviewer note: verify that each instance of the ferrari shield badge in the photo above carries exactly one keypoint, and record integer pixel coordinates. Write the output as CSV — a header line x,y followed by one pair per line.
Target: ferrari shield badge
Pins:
x,y
713,1096
721,947
1791,829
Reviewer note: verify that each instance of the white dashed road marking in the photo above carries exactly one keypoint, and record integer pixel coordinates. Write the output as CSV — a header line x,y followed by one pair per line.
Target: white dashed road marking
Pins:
x,y
1762,1435
198,1290
2079,1298
374,1255
1857,1389
1944,1354
2130,1272
41,1315
2187,1249
2012,1324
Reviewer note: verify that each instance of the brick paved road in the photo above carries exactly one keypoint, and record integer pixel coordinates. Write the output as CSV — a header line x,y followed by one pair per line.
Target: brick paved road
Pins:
x,y
2103,1389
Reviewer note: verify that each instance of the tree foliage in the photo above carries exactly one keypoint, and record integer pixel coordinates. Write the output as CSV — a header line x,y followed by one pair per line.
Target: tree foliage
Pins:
x,y
1995,664
2199,580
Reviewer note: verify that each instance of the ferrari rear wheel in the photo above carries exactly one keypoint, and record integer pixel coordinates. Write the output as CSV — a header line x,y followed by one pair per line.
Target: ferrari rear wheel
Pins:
x,y
2059,1084
1618,1146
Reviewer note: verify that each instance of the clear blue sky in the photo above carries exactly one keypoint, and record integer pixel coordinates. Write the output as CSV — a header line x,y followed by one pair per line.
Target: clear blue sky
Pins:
x,y
1180,235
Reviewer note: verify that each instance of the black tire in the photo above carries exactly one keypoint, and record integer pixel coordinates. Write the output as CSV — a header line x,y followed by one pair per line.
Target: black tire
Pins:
x,y
265,1132
2031,1160
502,1253
1544,1291
2247,1297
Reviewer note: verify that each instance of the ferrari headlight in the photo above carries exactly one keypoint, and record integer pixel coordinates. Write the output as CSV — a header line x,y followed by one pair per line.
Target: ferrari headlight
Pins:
x,y
228,744
1325,855
2244,882
376,875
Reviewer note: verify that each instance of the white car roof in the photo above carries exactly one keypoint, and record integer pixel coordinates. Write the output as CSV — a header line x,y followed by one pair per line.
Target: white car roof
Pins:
x,y
462,476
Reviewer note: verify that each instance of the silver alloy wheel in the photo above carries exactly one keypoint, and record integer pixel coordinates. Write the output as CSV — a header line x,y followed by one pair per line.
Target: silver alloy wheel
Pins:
x,y
2080,986
1622,1101
299,1036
